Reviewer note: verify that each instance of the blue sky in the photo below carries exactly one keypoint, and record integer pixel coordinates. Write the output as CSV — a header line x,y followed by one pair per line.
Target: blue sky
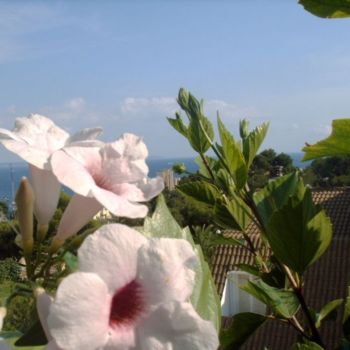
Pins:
x,y
119,65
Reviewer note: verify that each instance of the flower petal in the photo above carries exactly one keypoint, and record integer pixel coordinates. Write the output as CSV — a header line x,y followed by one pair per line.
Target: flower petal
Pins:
x,y
176,326
43,304
47,191
78,213
111,252
166,270
71,172
30,154
118,205
85,134
79,316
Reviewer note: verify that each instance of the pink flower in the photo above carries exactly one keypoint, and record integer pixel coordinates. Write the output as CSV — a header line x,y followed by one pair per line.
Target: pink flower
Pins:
x,y
34,139
130,293
113,176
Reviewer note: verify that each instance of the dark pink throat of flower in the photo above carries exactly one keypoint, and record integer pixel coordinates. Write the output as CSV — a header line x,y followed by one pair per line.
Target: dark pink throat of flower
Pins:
x,y
127,305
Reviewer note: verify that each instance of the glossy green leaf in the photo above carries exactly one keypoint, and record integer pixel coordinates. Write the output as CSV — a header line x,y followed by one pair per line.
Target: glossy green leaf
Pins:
x,y
178,124
233,213
162,224
223,218
299,232
346,317
282,302
253,141
200,191
337,144
328,311
307,346
327,8
275,195
212,163
204,297
249,269
243,326
233,156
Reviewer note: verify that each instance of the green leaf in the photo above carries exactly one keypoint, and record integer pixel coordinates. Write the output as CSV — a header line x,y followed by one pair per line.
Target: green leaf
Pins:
x,y
275,195
233,213
219,239
249,268
212,163
243,326
307,346
337,144
33,337
299,233
328,311
283,302
204,297
200,191
162,224
327,8
346,316
71,260
253,141
233,156
178,124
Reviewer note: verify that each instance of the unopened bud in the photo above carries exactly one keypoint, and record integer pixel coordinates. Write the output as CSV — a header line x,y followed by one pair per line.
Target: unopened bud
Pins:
x,y
183,98
56,244
41,232
179,168
25,205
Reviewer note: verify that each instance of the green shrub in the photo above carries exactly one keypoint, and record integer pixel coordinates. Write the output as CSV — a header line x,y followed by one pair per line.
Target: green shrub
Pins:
x,y
9,270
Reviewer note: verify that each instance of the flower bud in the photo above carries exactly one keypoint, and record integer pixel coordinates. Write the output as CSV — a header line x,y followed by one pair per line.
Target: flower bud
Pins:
x,y
25,204
179,168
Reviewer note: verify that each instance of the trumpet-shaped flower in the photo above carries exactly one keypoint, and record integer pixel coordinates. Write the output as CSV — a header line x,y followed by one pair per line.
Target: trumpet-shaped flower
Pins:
x,y
34,139
130,293
113,176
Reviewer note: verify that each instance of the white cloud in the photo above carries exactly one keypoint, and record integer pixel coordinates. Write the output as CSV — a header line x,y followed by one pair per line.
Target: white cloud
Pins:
x,y
76,104
167,106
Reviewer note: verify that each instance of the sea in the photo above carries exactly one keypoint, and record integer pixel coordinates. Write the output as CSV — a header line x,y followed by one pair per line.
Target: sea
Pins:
x,y
11,173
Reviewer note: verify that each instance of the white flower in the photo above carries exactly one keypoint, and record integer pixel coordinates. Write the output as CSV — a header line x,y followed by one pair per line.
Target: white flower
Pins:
x,y
113,176
34,139
130,293
3,344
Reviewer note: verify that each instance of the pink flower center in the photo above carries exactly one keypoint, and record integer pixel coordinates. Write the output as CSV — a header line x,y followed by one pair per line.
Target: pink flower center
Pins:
x,y
127,305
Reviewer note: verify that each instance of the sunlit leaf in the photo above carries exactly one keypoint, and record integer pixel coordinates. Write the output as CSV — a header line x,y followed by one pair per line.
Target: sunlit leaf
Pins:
x,y
281,301
243,326
327,8
337,144
233,156
299,232
275,195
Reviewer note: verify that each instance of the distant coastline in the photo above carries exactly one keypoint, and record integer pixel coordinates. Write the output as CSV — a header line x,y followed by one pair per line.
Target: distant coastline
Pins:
x,y
11,173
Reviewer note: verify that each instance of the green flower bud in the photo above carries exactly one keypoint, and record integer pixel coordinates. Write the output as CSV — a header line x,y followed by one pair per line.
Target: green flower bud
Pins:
x,y
25,205
179,168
